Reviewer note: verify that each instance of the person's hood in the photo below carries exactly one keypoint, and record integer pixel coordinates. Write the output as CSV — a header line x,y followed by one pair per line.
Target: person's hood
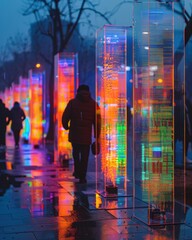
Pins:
x,y
83,96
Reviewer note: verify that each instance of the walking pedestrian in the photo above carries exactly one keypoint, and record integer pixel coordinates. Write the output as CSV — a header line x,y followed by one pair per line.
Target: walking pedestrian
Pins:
x,y
79,117
17,116
4,121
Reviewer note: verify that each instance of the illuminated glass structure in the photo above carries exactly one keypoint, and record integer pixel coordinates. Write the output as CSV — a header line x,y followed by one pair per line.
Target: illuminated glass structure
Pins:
x,y
9,98
16,92
111,95
66,83
153,120
24,102
35,106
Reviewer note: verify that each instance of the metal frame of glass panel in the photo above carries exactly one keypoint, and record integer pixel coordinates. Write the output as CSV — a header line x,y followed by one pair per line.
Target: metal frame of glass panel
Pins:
x,y
153,120
111,95
66,83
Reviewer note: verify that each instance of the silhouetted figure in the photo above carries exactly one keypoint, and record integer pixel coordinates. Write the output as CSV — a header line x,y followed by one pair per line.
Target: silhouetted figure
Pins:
x,y
17,116
4,121
79,117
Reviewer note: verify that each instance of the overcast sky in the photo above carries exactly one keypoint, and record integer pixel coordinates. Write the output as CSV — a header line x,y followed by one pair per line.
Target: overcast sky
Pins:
x,y
12,21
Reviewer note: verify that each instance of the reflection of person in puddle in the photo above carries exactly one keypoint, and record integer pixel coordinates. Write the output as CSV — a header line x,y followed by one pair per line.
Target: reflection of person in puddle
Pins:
x,y
4,179
81,199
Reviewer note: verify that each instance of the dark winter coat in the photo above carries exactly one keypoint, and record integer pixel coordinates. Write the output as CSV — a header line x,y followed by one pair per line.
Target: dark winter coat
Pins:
x,y
17,116
4,116
79,117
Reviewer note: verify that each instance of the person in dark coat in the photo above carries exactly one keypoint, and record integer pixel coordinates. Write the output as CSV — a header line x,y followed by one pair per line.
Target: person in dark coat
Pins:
x,y
17,116
79,117
4,121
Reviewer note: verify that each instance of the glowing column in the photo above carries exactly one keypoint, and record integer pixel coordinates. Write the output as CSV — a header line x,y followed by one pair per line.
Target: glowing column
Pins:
x,y
35,106
24,101
9,98
153,136
16,92
66,82
111,52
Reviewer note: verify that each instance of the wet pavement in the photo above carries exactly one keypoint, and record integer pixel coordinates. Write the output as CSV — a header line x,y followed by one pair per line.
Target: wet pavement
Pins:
x,y
41,200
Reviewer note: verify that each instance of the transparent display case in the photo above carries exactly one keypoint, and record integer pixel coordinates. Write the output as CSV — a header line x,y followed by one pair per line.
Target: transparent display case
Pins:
x,y
111,95
153,119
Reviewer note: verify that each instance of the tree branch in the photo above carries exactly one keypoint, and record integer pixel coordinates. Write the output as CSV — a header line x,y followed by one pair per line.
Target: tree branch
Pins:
x,y
68,36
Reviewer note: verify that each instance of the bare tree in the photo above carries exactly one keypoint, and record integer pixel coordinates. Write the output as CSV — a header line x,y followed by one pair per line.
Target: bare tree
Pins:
x,y
64,19
182,11
18,48
14,60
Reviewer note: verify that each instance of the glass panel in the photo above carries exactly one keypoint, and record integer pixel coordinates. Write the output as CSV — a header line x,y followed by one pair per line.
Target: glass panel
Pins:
x,y
153,121
111,95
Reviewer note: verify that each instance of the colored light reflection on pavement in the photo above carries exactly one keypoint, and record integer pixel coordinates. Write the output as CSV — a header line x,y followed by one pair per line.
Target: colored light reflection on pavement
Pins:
x,y
40,200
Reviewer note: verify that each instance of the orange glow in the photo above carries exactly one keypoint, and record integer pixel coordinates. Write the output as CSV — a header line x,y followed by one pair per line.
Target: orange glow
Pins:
x,y
9,165
160,80
38,65
16,92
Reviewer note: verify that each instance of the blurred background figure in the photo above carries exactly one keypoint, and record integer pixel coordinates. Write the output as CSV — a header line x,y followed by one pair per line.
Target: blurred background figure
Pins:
x,y
17,116
4,121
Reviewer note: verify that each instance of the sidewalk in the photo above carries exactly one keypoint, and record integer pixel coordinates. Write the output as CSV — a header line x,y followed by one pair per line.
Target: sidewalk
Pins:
x,y
40,200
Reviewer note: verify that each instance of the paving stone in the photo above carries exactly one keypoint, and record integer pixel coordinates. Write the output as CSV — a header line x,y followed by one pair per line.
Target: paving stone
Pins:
x,y
41,200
